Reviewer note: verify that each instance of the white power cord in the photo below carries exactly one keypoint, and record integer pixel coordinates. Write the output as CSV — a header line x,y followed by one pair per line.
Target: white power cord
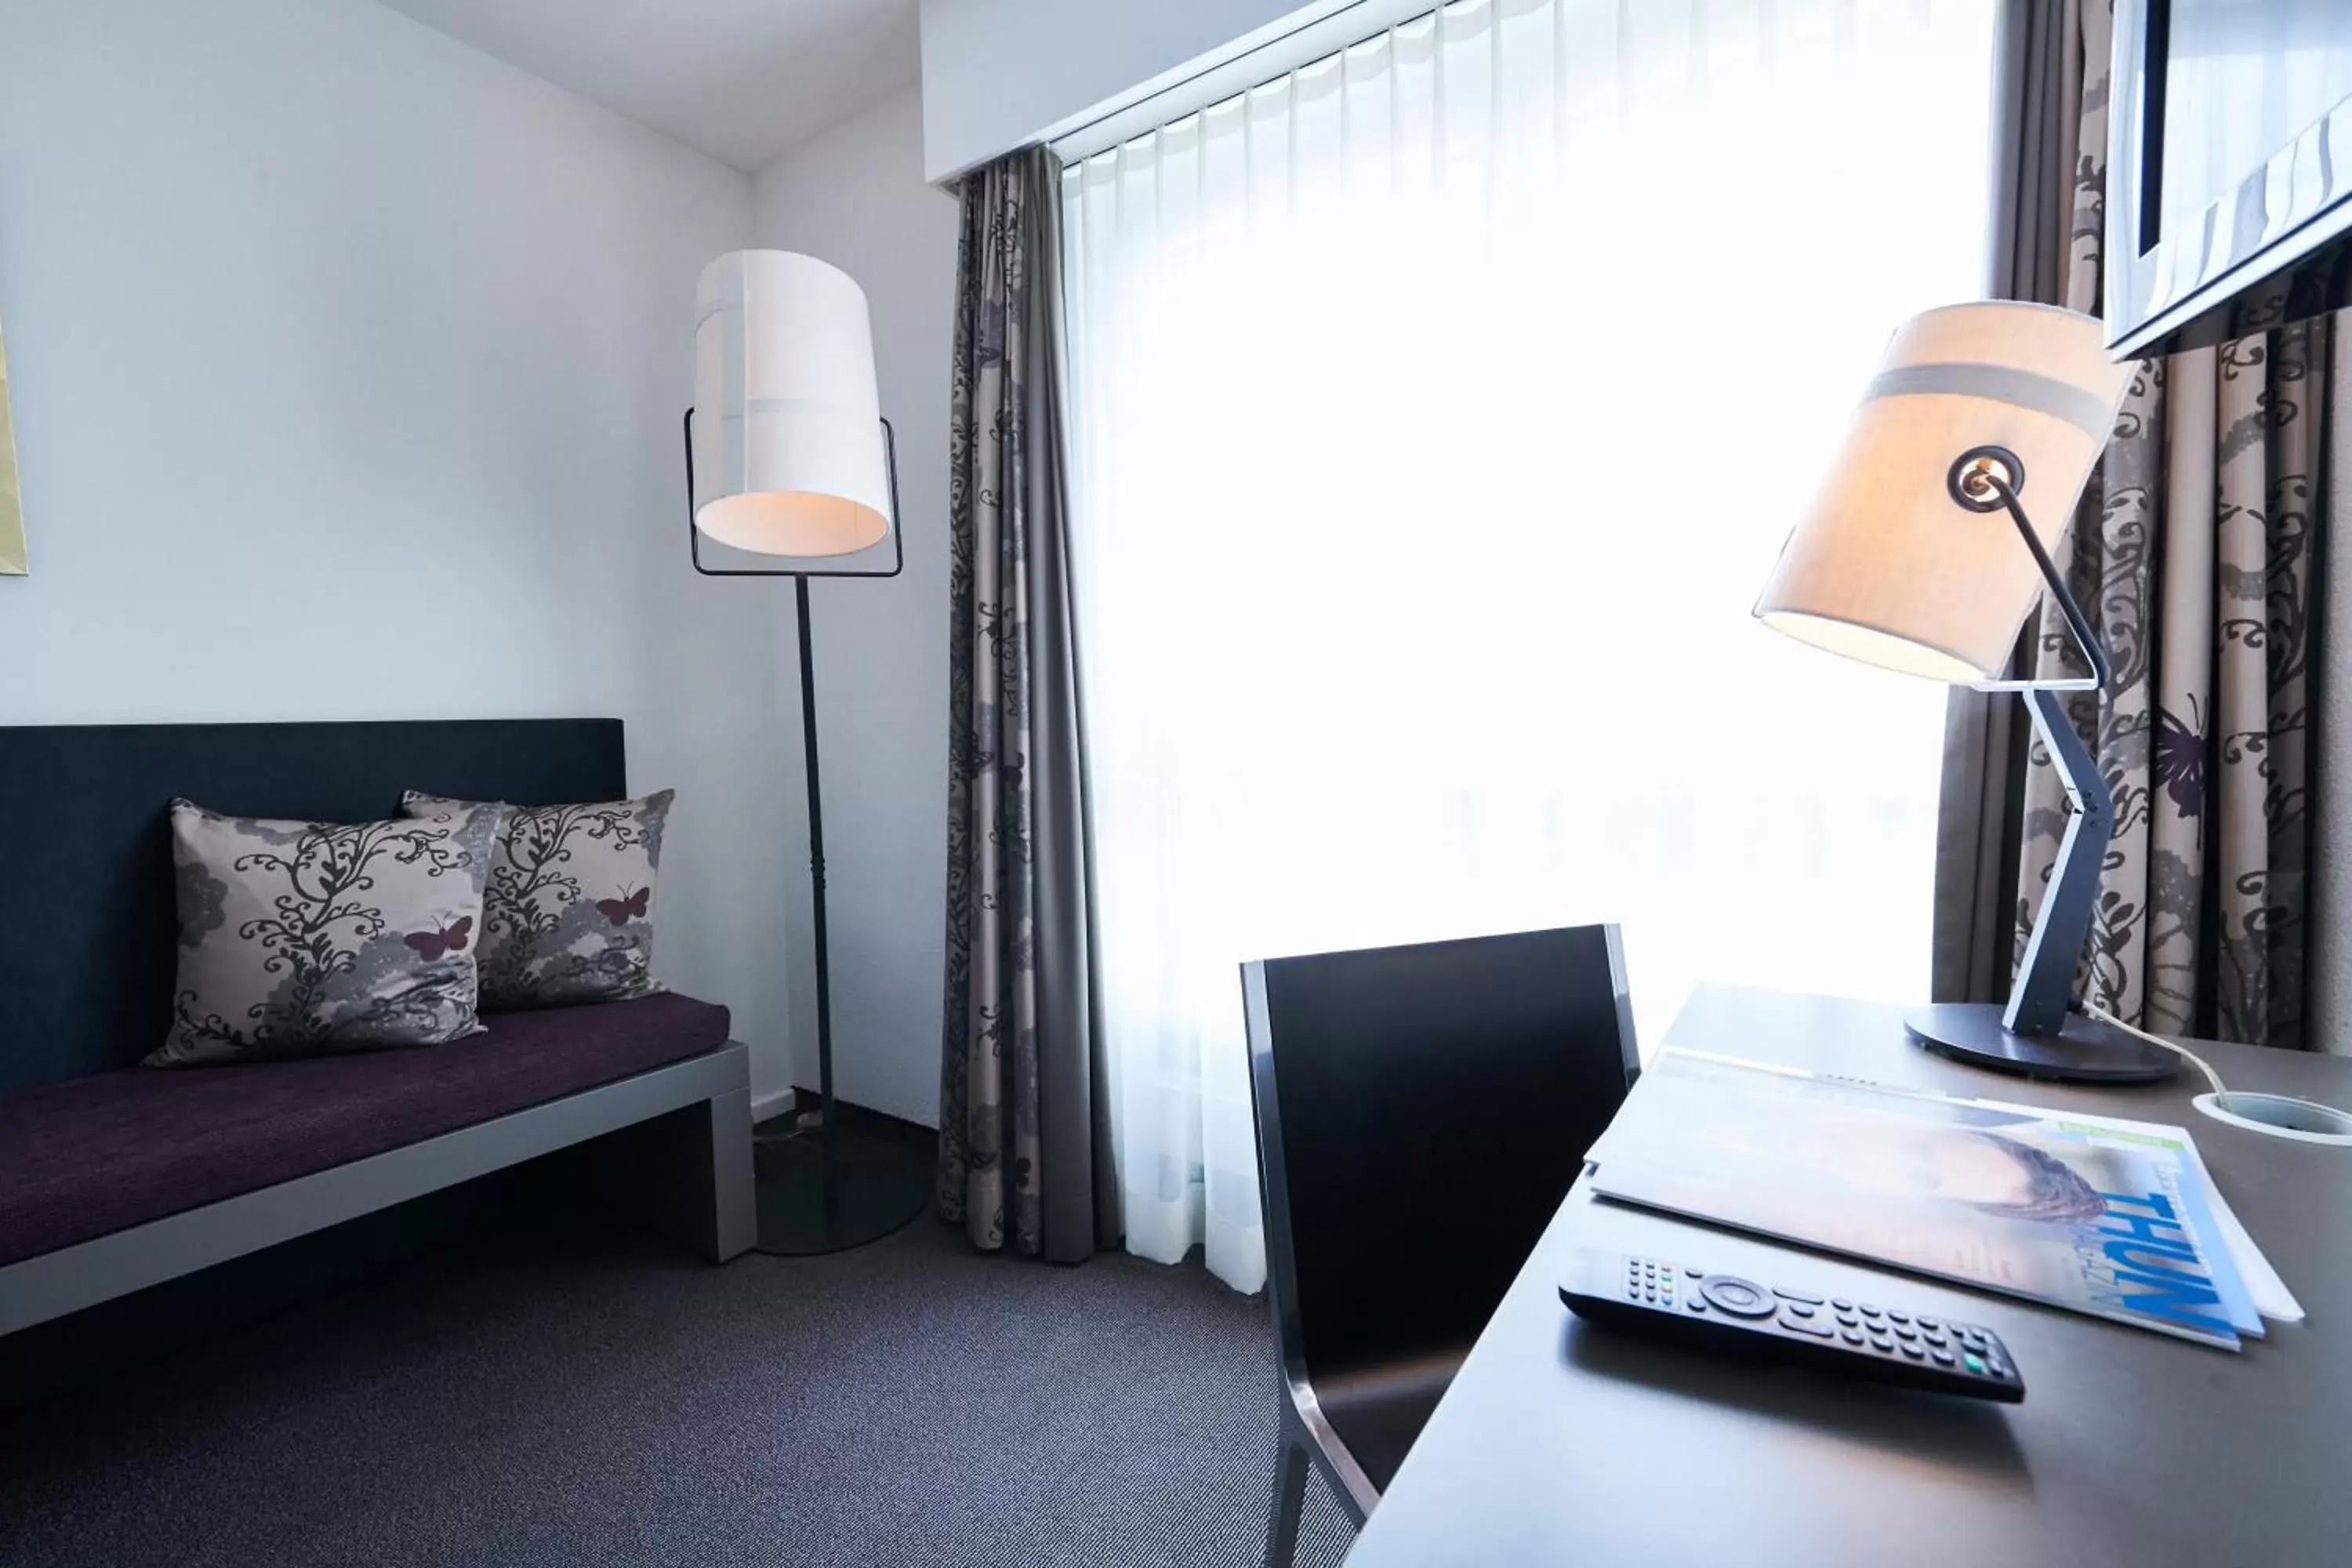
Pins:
x,y
2221,1094
2277,1115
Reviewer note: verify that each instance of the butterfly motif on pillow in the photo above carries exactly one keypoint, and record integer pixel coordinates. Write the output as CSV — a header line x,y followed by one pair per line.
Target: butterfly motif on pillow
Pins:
x,y
626,908
431,946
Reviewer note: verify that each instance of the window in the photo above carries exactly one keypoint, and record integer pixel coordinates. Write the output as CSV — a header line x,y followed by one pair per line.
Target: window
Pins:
x,y
1439,409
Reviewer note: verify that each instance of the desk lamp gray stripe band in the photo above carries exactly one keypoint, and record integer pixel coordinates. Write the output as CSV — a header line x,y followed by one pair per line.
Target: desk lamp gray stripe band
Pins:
x,y
2003,384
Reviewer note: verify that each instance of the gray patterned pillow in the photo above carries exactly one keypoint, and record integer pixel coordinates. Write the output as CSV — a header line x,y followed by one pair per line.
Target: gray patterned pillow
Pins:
x,y
569,915
304,938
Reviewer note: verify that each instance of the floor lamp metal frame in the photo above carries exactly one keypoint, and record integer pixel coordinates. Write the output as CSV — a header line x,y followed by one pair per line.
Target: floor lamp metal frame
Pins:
x,y
866,1192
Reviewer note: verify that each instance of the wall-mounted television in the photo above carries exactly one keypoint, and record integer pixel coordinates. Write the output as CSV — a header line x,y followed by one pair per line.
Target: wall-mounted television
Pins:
x,y
2229,170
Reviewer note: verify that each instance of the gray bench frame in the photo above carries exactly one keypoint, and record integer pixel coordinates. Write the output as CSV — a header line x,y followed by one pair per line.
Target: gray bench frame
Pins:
x,y
675,1151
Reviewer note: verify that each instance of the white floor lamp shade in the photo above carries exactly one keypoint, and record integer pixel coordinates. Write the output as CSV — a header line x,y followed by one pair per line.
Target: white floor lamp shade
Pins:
x,y
788,445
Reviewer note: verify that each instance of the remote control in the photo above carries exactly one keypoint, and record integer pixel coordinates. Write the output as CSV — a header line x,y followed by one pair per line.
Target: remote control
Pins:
x,y
1842,1336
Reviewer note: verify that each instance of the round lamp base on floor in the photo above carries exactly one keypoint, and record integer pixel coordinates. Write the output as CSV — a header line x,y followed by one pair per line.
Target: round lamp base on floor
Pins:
x,y
829,1189
2084,1051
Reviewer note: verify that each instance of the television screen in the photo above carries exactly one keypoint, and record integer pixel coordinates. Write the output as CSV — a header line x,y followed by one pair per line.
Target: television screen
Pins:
x,y
2243,79
2229,168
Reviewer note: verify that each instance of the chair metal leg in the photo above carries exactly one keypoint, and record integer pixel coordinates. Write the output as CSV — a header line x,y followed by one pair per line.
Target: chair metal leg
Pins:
x,y
1289,1498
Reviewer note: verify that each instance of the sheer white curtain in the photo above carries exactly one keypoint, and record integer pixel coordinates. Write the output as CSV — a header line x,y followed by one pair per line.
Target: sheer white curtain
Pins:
x,y
1439,409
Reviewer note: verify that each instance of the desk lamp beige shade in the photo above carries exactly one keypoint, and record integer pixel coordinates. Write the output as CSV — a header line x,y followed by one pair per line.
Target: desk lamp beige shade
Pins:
x,y
12,509
1888,568
788,445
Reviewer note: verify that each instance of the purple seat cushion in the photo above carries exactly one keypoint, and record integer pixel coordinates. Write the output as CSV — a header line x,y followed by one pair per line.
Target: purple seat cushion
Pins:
x,y
93,1155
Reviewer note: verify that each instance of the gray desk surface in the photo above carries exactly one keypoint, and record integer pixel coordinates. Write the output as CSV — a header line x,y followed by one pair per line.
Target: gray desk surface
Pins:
x,y
1560,1442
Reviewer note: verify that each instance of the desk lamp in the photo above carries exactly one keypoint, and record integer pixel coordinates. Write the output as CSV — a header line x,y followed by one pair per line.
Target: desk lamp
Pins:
x,y
795,461
1911,560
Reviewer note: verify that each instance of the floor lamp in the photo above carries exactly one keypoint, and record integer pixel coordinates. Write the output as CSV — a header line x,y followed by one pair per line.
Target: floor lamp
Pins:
x,y
1920,556
796,461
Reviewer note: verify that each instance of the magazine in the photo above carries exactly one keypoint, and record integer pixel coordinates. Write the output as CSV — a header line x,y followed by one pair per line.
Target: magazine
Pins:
x,y
2269,1293
2115,1219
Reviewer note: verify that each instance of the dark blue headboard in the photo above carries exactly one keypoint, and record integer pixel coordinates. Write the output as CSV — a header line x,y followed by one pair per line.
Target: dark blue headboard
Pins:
x,y
87,938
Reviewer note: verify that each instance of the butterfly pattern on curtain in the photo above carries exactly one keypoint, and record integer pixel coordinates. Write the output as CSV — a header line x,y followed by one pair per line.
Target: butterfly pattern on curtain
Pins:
x,y
2195,552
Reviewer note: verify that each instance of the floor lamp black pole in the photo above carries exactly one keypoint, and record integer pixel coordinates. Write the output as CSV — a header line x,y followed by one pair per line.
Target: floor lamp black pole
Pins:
x,y
817,859
830,1185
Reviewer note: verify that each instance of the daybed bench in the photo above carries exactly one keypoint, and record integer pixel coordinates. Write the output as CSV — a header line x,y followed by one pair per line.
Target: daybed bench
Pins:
x,y
114,1177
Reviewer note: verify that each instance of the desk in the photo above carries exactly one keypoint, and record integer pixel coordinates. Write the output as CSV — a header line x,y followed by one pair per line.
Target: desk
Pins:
x,y
1559,1442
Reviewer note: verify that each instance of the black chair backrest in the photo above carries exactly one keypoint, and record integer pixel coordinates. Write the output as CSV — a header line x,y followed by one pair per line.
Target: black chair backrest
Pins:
x,y
87,954
1420,1114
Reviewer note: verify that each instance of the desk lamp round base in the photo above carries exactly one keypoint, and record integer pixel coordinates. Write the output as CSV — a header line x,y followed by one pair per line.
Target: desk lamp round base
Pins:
x,y
2083,1051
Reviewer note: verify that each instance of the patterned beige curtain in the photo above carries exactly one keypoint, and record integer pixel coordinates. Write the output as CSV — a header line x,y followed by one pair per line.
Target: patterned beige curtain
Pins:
x,y
2195,551
1020,1164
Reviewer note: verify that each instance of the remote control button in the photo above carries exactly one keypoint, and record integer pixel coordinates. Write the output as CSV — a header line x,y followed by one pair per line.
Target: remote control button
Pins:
x,y
1937,1337
1800,1309
1927,1322
1841,1304
1696,1305
1943,1358
1894,1317
1914,1352
1882,1341
1850,1336
1906,1332
1807,1297
1870,1311
1741,1298
1973,1364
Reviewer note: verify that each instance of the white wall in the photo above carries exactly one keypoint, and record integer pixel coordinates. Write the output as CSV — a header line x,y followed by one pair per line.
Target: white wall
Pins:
x,y
347,367
856,197
1001,74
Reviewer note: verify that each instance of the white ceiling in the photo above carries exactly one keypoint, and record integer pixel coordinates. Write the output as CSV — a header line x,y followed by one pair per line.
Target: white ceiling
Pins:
x,y
743,80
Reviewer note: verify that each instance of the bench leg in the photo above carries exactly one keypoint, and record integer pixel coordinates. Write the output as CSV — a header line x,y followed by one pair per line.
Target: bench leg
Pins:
x,y
688,1175
733,1194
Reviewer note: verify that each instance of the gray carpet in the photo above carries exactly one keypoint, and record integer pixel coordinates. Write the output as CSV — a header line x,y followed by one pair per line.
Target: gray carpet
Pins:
x,y
587,1395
